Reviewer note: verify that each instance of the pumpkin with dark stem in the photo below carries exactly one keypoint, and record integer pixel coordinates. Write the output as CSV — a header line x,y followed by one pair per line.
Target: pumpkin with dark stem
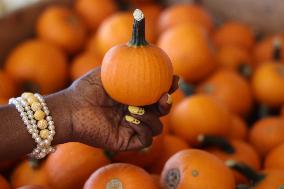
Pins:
x,y
120,176
265,179
196,169
237,150
136,73
61,27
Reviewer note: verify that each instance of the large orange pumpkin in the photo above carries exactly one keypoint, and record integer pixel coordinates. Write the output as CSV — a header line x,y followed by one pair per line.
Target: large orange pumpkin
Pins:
x,y
265,179
144,157
115,30
235,58
171,145
199,114
230,89
7,86
138,61
196,169
38,62
266,84
4,183
93,12
264,50
120,176
72,163
235,34
188,47
233,149
266,134
238,128
185,13
83,63
28,174
274,159
61,27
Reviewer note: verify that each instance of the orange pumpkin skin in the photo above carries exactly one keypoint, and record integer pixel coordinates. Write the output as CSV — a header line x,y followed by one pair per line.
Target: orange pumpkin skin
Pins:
x,y
72,163
234,58
235,34
188,47
244,152
274,179
113,31
83,63
61,27
153,73
25,174
144,157
171,145
266,134
7,86
156,179
230,89
120,175
273,159
199,114
266,83
196,169
185,13
33,187
93,12
263,50
40,63
238,128
4,183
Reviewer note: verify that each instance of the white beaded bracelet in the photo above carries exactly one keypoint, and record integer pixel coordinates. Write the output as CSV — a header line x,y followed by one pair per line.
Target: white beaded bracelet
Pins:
x,y
43,130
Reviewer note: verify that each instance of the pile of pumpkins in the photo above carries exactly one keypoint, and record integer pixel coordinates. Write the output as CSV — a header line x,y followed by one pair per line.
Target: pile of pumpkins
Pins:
x,y
226,126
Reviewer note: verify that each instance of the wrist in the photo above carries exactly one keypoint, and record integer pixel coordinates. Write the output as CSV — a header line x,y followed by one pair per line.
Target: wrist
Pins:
x,y
60,109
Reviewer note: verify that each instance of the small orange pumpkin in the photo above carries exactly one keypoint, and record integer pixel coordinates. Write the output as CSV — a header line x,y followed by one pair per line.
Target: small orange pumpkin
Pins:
x,y
264,50
235,58
138,61
266,81
238,128
232,149
230,89
185,13
188,47
274,159
235,34
28,173
115,30
93,12
196,169
265,179
83,63
144,157
72,163
199,114
7,86
266,134
4,183
40,63
171,145
120,176
61,27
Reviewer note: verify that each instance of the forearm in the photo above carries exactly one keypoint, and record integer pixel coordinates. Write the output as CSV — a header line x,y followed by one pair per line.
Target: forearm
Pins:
x,y
15,139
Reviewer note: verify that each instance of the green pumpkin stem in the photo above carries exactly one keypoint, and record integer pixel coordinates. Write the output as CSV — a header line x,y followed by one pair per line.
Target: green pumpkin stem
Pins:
x,y
277,45
138,32
252,175
216,141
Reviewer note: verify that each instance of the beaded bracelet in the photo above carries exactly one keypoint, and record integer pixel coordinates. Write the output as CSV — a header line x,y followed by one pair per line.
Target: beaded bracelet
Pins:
x,y
36,116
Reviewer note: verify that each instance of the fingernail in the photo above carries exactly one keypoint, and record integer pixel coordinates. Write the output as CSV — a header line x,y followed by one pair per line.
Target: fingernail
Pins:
x,y
131,119
136,110
170,99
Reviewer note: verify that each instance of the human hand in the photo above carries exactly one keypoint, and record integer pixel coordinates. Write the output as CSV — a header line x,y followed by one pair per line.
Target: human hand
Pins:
x,y
99,121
